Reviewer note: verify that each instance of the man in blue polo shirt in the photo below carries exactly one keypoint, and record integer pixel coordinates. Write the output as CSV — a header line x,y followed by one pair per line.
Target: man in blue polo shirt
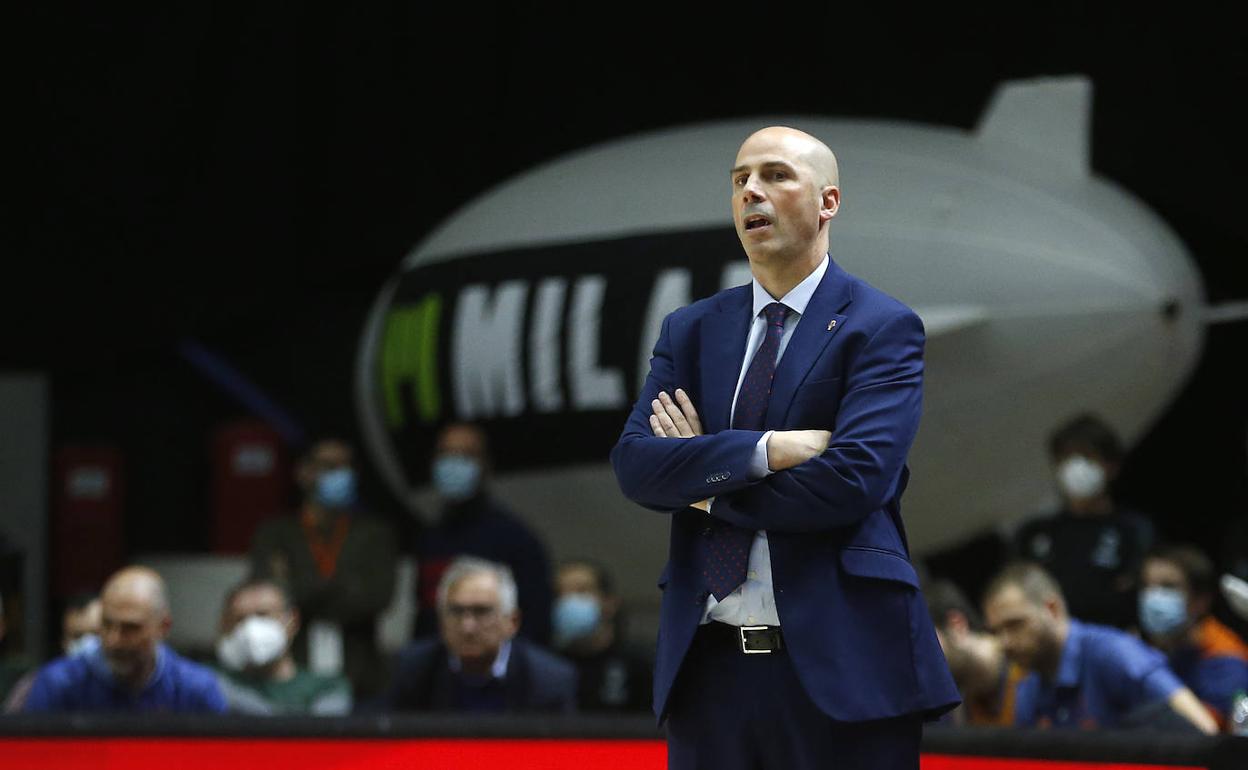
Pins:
x,y
131,670
1081,675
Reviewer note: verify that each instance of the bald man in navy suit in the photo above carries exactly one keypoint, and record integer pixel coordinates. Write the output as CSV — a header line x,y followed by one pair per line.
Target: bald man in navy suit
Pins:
x,y
773,428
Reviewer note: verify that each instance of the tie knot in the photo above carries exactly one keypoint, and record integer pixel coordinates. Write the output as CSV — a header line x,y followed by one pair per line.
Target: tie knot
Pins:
x,y
776,312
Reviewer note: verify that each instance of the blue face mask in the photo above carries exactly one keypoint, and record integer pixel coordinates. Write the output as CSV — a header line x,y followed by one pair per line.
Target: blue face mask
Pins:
x,y
576,616
336,488
1162,611
83,646
456,477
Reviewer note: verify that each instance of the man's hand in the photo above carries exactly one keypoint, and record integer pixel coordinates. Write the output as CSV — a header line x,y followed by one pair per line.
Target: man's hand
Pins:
x,y
788,448
674,419
677,419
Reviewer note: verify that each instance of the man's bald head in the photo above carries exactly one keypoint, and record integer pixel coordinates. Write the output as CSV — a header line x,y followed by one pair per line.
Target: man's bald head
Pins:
x,y
819,159
784,194
137,585
134,610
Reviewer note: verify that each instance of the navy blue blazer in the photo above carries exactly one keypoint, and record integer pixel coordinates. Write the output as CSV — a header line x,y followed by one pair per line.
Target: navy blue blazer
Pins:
x,y
536,680
855,624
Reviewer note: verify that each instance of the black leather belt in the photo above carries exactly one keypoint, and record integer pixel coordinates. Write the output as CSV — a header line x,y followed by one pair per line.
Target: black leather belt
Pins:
x,y
751,640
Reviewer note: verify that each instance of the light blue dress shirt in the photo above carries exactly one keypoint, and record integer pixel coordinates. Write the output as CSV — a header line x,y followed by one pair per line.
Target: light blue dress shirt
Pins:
x,y
753,603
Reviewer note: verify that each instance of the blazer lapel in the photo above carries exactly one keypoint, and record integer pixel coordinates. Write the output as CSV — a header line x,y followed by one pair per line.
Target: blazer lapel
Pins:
x,y
818,325
722,335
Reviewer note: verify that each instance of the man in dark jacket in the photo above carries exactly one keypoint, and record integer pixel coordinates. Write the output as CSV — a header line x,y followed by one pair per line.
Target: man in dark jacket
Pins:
x,y
473,522
478,664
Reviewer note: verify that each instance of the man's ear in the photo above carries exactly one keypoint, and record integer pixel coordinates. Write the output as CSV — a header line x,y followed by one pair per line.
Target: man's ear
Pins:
x,y
166,623
292,624
1053,607
829,202
610,606
513,621
956,623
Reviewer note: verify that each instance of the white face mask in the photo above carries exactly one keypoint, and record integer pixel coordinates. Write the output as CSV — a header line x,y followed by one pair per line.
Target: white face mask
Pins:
x,y
1080,478
254,643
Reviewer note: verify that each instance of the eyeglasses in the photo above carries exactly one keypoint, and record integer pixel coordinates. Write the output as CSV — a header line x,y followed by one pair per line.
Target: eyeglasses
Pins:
x,y
477,612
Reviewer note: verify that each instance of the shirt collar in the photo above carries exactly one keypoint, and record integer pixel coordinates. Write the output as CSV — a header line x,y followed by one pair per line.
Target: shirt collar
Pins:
x,y
99,664
499,668
1072,656
798,297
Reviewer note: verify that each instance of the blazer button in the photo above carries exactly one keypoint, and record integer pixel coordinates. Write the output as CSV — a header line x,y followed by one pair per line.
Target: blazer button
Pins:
x,y
708,532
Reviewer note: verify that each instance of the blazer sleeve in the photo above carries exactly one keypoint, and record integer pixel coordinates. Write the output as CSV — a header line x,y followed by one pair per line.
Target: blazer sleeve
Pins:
x,y
860,471
666,474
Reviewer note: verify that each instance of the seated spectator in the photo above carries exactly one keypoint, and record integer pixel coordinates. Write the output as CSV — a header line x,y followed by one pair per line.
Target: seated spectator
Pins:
x,y
472,522
1176,596
132,670
258,625
987,680
613,677
1079,674
479,664
80,634
1093,546
338,565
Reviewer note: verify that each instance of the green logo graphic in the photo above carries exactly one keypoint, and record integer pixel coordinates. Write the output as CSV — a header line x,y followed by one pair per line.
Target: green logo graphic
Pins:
x,y
409,357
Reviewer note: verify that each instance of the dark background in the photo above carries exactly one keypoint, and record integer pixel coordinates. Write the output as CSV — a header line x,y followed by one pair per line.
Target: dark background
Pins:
x,y
249,178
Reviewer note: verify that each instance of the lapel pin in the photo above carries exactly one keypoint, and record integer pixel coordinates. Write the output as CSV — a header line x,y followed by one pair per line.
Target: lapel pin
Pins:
x,y
832,324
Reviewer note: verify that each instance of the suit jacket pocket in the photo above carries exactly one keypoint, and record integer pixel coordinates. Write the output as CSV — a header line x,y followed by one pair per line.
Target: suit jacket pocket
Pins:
x,y
878,563
816,403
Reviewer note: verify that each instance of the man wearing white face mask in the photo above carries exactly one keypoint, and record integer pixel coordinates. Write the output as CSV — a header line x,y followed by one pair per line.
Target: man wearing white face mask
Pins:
x,y
473,522
258,624
1176,597
1093,546
337,562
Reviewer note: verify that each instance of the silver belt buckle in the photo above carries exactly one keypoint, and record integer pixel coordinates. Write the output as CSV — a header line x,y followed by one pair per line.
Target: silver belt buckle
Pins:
x,y
741,632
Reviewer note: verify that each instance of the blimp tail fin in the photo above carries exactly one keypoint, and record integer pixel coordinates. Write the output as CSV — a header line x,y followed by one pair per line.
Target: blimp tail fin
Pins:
x,y
1227,312
940,320
1050,117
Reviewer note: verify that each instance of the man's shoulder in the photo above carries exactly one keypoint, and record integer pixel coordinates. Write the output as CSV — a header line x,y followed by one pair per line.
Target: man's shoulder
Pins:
x,y
189,673
543,663
876,301
736,297
65,672
279,527
1108,646
419,652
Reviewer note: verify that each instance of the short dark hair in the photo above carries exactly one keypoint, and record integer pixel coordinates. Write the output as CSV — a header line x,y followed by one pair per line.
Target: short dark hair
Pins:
x,y
943,597
1192,562
602,576
80,601
258,582
1036,583
1086,431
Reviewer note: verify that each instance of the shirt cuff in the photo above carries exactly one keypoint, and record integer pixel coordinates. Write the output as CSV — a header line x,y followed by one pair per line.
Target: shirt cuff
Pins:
x,y
758,463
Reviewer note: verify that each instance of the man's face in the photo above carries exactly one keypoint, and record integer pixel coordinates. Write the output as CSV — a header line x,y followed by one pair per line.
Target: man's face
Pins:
x,y
577,579
325,456
1160,573
472,622
775,198
259,601
131,629
462,440
1027,632
77,623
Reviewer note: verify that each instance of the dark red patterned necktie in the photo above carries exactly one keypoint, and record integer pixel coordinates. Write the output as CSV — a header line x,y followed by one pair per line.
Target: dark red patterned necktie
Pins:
x,y
724,550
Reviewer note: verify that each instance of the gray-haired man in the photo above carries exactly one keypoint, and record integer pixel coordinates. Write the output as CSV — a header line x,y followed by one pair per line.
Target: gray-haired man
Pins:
x,y
478,664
